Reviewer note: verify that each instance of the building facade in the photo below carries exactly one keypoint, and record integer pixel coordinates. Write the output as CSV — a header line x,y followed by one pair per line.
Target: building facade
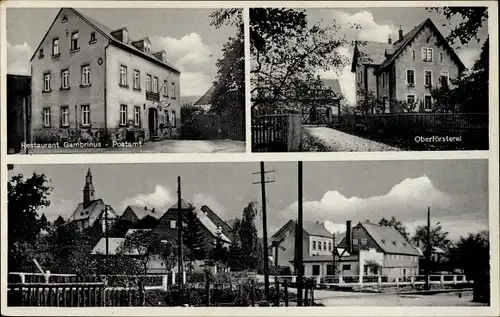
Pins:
x,y
406,70
93,84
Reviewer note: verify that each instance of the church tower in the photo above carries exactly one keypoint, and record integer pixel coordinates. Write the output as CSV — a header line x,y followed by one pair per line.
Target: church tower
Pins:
x,y
88,190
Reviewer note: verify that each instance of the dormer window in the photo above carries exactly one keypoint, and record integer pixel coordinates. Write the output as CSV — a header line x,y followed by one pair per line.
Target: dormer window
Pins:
x,y
92,38
64,19
40,53
125,36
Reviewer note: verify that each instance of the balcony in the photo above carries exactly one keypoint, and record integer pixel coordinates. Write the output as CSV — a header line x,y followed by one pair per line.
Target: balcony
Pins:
x,y
152,96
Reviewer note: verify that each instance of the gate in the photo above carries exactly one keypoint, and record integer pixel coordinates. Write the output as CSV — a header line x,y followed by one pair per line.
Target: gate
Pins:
x,y
275,130
316,115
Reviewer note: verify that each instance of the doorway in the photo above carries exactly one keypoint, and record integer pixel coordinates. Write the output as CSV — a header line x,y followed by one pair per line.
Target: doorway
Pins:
x,y
316,269
153,121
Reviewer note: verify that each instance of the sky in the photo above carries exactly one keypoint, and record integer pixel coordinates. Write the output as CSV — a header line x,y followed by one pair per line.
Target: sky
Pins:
x,y
376,24
455,190
191,44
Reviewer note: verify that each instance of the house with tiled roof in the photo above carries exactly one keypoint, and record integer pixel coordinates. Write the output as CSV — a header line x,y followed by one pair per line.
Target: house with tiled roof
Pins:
x,y
95,84
400,257
91,211
205,101
406,70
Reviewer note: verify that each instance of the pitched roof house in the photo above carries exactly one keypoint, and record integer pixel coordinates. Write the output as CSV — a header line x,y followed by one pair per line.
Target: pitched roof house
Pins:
x,y
406,70
205,101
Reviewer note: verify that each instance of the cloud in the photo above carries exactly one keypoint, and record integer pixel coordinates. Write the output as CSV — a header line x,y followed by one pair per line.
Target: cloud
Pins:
x,y
345,77
201,199
18,59
468,56
188,53
407,201
195,83
368,29
162,197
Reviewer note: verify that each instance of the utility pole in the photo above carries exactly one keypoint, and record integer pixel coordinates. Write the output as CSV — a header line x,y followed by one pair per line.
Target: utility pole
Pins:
x,y
333,252
262,183
299,237
107,235
180,263
428,250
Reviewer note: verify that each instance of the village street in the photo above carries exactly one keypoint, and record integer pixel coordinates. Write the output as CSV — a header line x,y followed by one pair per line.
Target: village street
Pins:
x,y
164,146
337,141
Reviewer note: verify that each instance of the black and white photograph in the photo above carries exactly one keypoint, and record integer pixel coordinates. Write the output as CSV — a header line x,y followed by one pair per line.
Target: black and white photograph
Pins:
x,y
125,80
369,79
253,234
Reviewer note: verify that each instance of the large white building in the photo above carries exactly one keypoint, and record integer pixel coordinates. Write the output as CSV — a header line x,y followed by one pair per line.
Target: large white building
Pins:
x,y
93,84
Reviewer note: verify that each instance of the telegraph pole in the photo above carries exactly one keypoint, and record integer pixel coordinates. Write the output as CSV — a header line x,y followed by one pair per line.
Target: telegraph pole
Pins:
x,y
333,252
428,250
262,183
180,263
299,237
107,235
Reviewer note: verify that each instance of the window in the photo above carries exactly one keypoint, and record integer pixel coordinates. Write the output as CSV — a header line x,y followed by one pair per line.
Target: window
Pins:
x,y
165,88
55,47
346,267
123,75
444,78
413,54
355,241
65,79
314,245
319,245
173,90
148,82
137,79
410,99
85,75
427,78
85,115
92,37
174,119
65,116
137,115
46,117
324,245
329,246
427,54
410,77
172,224
364,241
440,57
75,44
46,82
40,53
155,85
64,19
123,114
428,102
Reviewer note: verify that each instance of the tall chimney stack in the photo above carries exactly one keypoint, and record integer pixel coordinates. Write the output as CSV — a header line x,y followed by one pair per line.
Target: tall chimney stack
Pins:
x,y
348,236
389,41
400,32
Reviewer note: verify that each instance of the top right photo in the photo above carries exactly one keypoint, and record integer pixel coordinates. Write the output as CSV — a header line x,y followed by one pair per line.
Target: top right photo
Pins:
x,y
369,79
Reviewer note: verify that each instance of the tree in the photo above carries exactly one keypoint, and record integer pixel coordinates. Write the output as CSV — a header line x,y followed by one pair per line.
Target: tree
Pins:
x,y
396,224
248,231
368,103
438,238
471,254
147,222
220,252
147,245
189,112
192,236
286,56
26,197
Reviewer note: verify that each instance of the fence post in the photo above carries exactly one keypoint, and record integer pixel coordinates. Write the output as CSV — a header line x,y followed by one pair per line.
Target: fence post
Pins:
x,y
165,282
379,281
252,294
441,280
207,290
412,280
142,298
47,276
277,291
286,292
173,278
183,277
306,290
312,293
397,281
341,280
454,280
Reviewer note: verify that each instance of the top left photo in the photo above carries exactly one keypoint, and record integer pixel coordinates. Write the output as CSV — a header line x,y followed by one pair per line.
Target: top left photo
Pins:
x,y
120,80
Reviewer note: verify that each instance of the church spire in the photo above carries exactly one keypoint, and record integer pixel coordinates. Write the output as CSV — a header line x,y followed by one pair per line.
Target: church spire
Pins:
x,y
88,189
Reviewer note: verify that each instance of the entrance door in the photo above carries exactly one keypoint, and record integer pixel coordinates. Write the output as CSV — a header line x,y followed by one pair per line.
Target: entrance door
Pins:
x,y
153,121
316,269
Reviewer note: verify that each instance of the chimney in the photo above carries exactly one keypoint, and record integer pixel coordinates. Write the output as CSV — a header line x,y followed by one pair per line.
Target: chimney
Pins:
x,y
400,32
367,221
389,41
348,236
153,210
145,208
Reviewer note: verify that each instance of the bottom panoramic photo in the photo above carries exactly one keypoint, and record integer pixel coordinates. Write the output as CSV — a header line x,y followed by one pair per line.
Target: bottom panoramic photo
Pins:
x,y
357,233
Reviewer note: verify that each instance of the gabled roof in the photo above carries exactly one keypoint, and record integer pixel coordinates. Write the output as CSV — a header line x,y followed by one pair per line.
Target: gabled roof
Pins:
x,y
106,32
389,239
206,98
334,85
114,245
384,54
133,231
141,212
311,228
84,211
226,228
